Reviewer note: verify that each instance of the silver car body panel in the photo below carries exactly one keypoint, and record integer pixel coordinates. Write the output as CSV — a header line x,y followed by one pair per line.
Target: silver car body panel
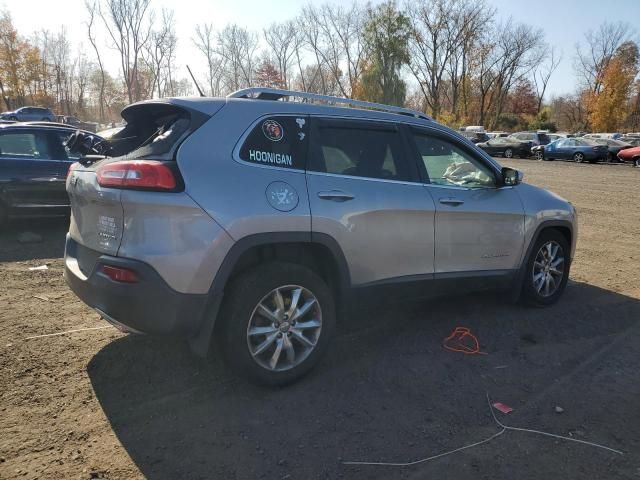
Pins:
x,y
389,229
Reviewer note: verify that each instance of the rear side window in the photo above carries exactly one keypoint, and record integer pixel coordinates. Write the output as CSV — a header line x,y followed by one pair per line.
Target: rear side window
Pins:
x,y
23,145
359,149
279,141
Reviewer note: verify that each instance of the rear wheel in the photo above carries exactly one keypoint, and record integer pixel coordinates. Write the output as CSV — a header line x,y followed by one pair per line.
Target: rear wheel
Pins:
x,y
508,153
578,157
547,269
277,322
636,162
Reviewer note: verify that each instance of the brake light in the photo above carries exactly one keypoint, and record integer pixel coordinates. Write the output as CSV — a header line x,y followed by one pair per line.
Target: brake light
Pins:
x,y
118,274
147,174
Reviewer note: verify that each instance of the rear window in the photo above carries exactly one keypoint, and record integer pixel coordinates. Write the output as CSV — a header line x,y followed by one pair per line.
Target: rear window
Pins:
x,y
279,141
154,130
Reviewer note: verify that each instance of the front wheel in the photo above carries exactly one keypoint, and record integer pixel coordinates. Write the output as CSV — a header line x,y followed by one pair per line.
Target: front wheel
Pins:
x,y
547,269
508,153
578,157
539,155
636,162
277,322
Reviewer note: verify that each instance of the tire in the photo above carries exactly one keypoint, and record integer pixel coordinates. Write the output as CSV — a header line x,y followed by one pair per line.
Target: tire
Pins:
x,y
539,155
508,153
578,157
611,158
250,355
636,162
535,293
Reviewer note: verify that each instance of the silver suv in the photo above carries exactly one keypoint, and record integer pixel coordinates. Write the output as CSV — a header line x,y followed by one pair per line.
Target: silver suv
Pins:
x,y
247,223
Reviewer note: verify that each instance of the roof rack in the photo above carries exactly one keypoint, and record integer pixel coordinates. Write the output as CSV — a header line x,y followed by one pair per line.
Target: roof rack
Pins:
x,y
261,93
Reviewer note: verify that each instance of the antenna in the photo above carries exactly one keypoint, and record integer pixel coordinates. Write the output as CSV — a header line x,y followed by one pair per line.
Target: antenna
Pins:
x,y
195,83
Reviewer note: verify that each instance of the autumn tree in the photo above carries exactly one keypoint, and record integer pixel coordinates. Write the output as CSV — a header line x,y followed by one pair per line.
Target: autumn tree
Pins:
x,y
19,63
386,35
607,107
267,75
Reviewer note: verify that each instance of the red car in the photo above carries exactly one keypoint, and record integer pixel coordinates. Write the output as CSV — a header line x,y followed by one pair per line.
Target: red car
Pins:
x,y
630,155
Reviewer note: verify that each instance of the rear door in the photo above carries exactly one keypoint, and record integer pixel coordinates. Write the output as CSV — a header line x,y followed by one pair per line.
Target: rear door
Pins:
x,y
479,226
364,191
32,176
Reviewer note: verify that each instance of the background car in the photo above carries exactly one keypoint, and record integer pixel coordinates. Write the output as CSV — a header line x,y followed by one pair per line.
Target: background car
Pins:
x,y
630,155
498,134
476,137
77,123
536,138
27,114
508,147
34,162
614,147
576,149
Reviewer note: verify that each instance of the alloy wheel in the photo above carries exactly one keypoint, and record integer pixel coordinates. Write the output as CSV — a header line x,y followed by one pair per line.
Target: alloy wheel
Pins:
x,y
548,269
578,157
284,328
508,153
539,155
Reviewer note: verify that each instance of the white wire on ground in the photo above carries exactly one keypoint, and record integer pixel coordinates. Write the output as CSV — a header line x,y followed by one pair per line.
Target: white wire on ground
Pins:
x,y
68,331
503,429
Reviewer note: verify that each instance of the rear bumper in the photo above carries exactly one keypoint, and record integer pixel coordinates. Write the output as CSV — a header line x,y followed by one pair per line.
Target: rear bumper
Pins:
x,y
148,306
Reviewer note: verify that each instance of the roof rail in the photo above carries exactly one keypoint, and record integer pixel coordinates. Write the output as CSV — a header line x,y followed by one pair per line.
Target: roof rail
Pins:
x,y
263,93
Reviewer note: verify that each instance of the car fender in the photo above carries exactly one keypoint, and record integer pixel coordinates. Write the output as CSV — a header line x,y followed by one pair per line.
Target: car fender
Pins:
x,y
200,342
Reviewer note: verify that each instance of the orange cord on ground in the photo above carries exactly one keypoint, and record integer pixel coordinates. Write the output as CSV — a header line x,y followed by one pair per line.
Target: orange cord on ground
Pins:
x,y
456,342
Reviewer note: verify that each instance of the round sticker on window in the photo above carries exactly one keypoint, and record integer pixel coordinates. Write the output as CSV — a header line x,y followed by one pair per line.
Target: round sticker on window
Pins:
x,y
272,130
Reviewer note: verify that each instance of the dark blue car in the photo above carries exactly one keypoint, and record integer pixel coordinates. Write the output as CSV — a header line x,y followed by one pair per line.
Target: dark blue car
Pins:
x,y
576,149
33,167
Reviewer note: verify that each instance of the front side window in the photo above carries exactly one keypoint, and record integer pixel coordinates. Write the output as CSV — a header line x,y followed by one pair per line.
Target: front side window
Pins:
x,y
23,145
279,141
359,149
446,164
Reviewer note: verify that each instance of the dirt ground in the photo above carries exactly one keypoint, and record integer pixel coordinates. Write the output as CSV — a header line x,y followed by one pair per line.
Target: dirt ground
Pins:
x,y
101,404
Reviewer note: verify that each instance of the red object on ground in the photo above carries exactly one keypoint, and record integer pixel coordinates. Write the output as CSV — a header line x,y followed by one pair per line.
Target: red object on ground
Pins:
x,y
462,340
501,407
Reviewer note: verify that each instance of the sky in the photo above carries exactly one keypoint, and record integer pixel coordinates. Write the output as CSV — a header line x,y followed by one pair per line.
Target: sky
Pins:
x,y
562,21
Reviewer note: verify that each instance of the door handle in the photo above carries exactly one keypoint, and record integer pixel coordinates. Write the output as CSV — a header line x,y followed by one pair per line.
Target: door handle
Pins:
x,y
335,195
454,202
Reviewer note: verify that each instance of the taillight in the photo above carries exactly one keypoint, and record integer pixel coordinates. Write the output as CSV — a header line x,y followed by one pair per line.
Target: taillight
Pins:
x,y
118,274
147,174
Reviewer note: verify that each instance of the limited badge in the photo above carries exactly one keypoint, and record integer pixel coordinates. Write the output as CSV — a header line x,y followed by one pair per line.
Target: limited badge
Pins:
x,y
282,196
272,130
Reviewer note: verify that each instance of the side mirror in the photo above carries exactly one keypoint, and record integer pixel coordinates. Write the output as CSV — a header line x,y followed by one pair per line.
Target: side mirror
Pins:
x,y
511,177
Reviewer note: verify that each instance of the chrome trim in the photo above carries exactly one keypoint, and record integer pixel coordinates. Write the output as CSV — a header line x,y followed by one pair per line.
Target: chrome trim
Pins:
x,y
276,94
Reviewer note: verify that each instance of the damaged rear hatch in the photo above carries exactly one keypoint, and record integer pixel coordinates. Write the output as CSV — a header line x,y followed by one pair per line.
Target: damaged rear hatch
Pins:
x,y
139,157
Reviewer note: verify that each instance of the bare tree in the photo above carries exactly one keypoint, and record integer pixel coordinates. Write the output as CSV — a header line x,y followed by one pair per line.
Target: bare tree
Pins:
x,y
92,9
438,32
159,54
601,44
335,36
128,23
237,47
541,76
281,39
205,41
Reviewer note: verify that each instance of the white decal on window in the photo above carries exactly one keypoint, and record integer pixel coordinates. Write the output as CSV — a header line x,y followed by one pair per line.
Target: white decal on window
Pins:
x,y
270,157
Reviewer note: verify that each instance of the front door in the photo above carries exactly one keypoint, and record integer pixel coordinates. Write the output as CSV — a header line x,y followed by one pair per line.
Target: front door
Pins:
x,y
364,191
479,226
